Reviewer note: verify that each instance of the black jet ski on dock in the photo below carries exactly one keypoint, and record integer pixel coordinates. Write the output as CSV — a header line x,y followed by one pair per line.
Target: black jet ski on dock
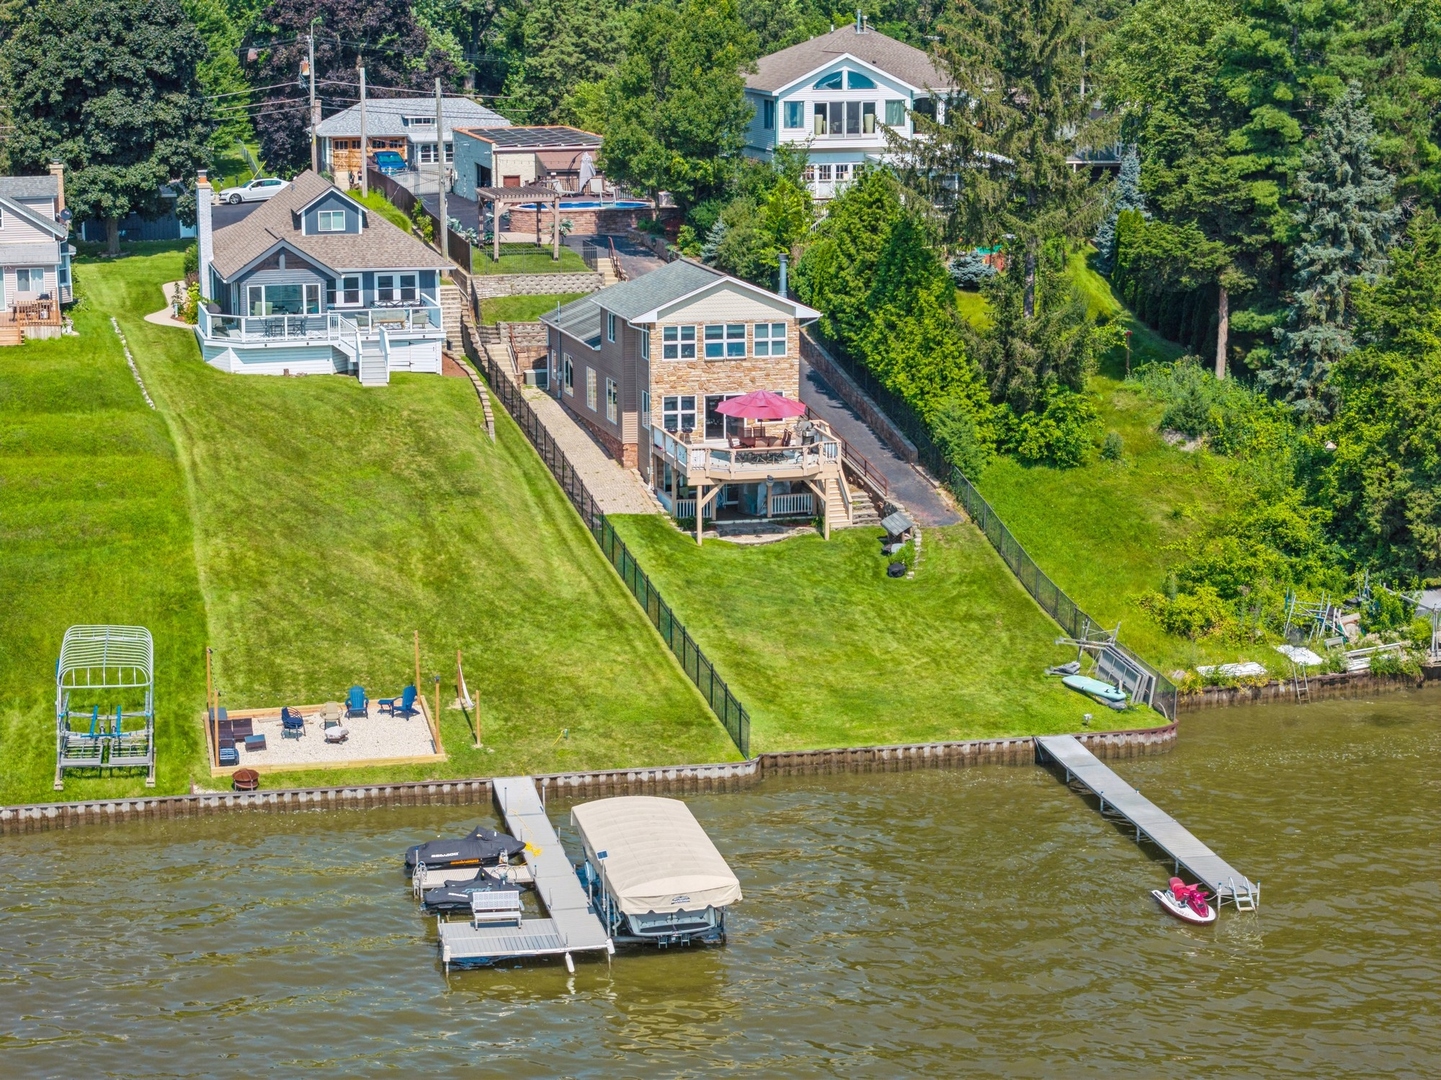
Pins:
x,y
483,847
454,896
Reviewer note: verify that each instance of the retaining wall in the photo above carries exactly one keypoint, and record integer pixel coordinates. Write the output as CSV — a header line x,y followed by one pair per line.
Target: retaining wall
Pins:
x,y
660,780
489,286
842,383
1339,685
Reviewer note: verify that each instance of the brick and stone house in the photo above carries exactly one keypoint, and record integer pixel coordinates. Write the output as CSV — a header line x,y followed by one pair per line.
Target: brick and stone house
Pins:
x,y
644,364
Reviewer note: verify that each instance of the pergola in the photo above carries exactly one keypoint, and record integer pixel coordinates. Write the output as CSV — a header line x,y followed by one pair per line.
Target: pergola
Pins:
x,y
93,660
529,193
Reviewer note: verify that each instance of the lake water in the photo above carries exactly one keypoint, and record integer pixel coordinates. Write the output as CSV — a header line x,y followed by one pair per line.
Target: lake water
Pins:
x,y
976,922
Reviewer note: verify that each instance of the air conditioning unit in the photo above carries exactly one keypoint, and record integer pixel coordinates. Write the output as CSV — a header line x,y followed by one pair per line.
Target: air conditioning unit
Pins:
x,y
538,377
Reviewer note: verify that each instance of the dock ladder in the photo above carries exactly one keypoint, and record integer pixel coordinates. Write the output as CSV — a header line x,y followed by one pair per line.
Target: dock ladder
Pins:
x,y
1300,681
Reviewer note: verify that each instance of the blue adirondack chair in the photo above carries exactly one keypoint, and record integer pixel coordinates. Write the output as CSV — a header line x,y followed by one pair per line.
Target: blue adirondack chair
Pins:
x,y
228,754
291,721
356,703
406,704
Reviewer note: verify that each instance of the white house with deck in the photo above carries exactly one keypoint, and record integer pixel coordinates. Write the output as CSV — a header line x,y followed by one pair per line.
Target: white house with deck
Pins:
x,y
842,92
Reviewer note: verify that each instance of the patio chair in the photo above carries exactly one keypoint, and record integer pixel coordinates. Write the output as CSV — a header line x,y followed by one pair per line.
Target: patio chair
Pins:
x,y
356,703
228,754
291,720
406,708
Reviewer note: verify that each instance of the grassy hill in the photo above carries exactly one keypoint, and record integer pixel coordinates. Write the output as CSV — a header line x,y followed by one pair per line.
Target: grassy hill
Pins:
x,y
306,528
825,650
1101,531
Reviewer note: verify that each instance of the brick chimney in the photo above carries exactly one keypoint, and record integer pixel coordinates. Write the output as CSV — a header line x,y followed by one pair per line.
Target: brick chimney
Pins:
x,y
203,242
57,170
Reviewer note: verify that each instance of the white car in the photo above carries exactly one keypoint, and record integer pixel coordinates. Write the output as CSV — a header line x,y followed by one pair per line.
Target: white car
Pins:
x,y
258,190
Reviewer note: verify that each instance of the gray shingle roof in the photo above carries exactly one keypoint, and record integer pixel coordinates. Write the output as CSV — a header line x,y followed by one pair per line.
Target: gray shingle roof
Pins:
x,y
38,218
381,246
579,318
29,187
905,62
629,299
30,254
538,138
385,118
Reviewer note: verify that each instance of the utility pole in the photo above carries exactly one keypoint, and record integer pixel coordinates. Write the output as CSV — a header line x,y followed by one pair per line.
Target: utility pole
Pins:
x,y
314,109
440,233
364,172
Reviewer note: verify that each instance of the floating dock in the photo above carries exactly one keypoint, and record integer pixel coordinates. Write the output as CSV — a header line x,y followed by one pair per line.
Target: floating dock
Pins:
x,y
1119,800
570,926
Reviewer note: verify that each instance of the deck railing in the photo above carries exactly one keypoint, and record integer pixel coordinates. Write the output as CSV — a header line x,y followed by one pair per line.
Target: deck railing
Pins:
x,y
750,462
326,326
697,666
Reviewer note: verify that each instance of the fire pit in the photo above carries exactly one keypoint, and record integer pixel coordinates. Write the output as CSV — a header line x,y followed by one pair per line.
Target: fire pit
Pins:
x,y
896,569
245,779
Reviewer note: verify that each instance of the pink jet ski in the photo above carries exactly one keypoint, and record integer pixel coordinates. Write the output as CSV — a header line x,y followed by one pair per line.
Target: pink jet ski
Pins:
x,y
1186,902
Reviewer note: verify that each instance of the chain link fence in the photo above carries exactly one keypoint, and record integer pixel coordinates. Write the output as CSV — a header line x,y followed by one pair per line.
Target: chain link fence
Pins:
x,y
697,666
1065,611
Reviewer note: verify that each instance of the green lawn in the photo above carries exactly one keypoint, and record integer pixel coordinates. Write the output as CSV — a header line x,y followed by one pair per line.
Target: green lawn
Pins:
x,y
1100,531
824,650
330,523
94,528
526,259
375,199
523,308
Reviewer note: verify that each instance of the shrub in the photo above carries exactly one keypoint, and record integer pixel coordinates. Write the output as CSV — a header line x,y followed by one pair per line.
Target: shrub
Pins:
x,y
970,270
1197,614
424,223
1419,633
1395,664
192,260
1113,447
1060,435
962,439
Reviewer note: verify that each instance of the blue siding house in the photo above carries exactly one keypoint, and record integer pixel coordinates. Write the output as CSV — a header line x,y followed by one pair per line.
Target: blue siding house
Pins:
x,y
311,282
842,92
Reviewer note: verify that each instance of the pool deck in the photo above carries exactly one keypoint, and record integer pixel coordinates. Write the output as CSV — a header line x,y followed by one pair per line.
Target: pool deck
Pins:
x,y
570,926
1120,800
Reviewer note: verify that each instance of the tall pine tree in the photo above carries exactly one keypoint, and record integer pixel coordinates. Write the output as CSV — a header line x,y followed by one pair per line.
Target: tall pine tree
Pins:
x,y
1346,220
1126,195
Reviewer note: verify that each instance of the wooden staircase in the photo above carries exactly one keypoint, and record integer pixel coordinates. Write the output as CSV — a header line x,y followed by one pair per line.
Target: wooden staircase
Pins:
x,y
11,333
863,508
374,371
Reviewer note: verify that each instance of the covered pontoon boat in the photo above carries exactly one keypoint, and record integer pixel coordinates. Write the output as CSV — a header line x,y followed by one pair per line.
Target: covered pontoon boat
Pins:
x,y
652,873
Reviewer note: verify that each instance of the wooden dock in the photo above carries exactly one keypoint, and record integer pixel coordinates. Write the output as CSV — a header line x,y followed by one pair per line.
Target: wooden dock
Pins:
x,y
1119,800
570,925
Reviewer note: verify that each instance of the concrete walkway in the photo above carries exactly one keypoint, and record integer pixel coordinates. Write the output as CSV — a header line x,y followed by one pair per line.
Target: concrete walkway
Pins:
x,y
922,501
617,490
165,317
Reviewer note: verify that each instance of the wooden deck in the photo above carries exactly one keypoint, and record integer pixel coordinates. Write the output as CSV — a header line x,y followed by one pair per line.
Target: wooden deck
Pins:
x,y
1119,799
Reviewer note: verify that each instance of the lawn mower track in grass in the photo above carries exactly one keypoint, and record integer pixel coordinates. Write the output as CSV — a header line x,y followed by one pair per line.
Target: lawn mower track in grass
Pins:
x,y
94,528
331,522
824,650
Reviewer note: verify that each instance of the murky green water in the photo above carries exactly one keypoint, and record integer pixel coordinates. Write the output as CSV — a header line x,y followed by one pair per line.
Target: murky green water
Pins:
x,y
981,922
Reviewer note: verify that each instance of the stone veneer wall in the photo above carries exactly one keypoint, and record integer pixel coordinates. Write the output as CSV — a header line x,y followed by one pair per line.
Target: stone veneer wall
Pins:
x,y
489,286
701,377
660,780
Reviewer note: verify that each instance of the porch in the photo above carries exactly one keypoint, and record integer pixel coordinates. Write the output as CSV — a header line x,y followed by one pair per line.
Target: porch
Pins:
x,y
39,318
343,325
769,471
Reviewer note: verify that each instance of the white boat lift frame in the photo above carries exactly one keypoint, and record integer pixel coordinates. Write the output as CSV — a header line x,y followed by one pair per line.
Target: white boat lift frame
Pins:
x,y
100,658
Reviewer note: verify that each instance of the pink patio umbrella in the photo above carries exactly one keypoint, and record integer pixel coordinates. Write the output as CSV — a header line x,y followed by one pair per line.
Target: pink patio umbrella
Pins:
x,y
762,405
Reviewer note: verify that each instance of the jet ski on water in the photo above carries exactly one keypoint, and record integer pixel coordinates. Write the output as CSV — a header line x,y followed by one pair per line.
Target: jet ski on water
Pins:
x,y
1186,902
483,847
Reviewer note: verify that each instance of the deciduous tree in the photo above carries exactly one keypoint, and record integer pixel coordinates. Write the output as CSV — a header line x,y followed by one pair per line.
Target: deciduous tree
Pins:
x,y
112,90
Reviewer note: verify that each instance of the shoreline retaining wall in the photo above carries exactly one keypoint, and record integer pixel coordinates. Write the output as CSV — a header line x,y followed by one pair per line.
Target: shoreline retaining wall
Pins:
x,y
657,780
1322,688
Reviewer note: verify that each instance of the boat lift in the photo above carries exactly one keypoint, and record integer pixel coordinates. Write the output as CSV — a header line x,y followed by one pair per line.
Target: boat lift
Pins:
x,y
1115,664
96,661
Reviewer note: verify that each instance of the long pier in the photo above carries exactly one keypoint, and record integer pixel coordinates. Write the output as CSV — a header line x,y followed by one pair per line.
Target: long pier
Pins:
x,y
570,925
1119,799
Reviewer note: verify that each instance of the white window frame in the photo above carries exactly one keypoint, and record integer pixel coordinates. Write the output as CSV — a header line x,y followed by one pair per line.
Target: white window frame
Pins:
x,y
30,272
900,121
384,283
725,341
645,342
610,326
309,297
612,401
325,221
409,284
674,412
341,295
767,341
590,388
567,374
678,343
